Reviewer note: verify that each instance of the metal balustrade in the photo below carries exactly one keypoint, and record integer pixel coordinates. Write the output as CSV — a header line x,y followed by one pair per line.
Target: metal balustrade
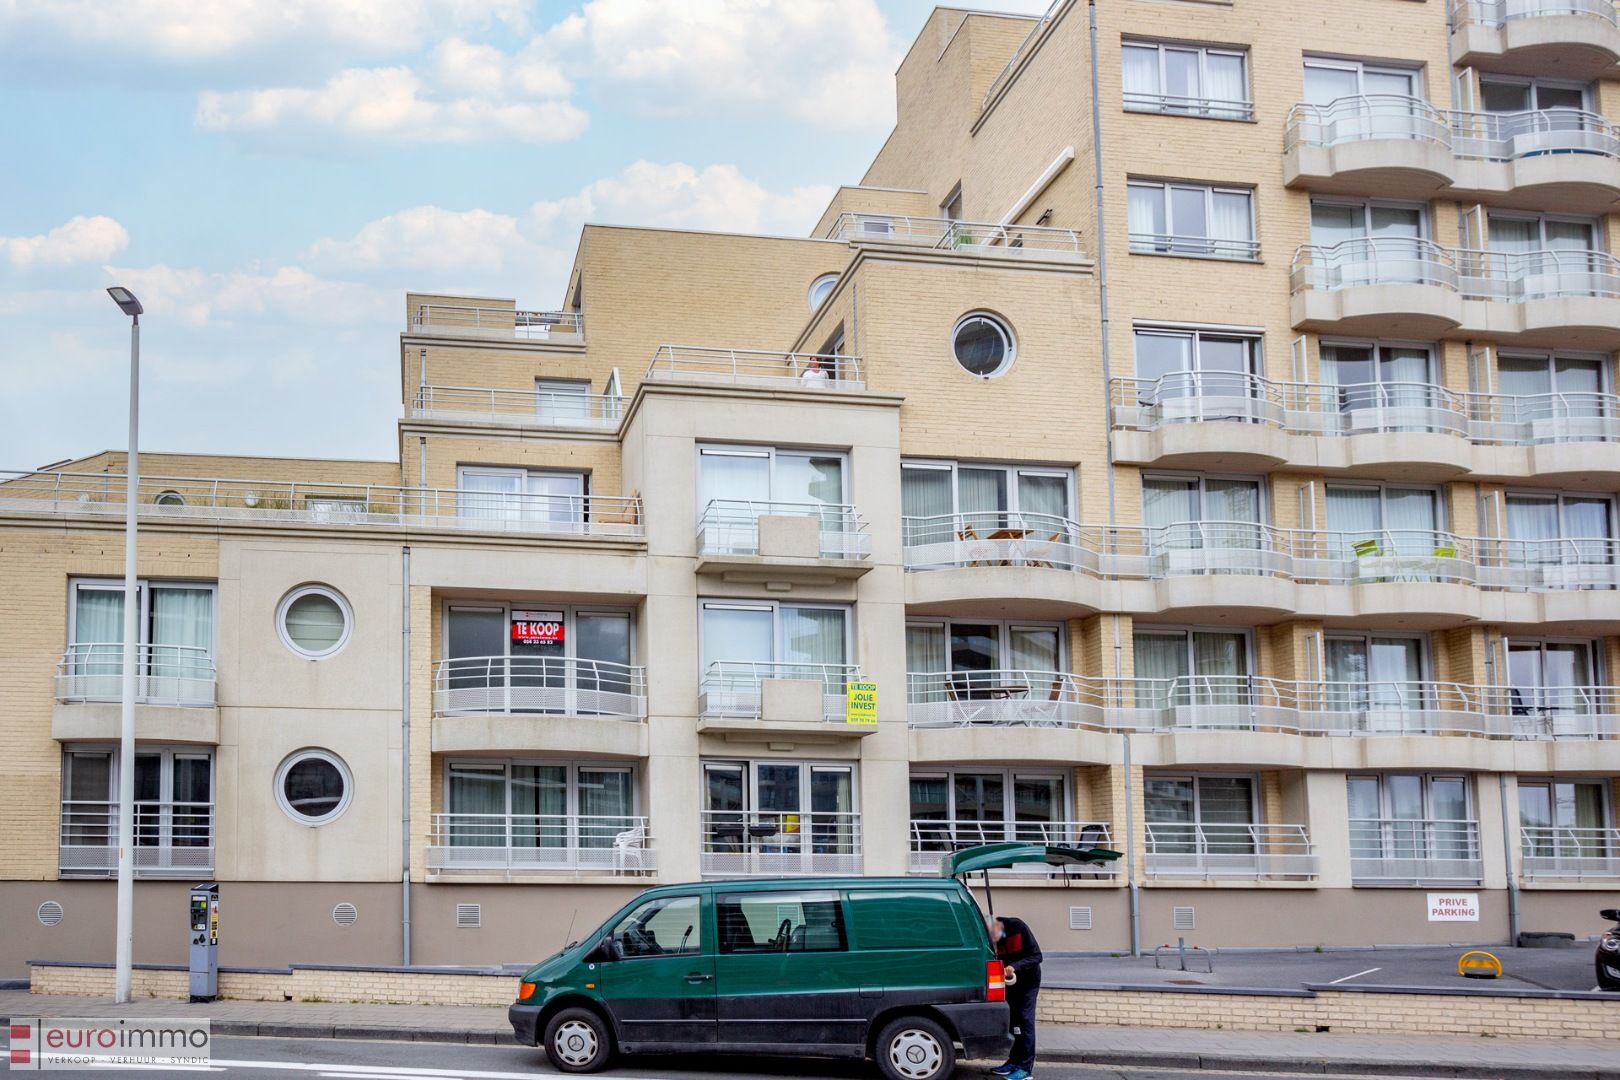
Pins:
x,y
1183,105
1379,260
1500,12
573,843
756,367
933,838
1500,276
999,698
1207,247
1207,849
732,689
539,686
179,675
172,839
1396,851
1486,136
1566,853
541,408
779,843
1367,116
731,527
996,538
336,505
949,234
468,320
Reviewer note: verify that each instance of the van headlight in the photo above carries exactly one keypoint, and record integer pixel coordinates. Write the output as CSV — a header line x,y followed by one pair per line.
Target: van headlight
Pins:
x,y
1609,944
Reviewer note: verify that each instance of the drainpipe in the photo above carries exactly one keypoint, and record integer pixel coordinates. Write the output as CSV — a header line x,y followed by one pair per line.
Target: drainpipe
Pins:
x,y
405,758
1134,896
1507,854
1102,261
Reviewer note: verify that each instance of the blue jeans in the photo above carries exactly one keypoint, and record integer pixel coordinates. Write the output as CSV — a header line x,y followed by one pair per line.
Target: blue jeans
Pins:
x,y
1021,1003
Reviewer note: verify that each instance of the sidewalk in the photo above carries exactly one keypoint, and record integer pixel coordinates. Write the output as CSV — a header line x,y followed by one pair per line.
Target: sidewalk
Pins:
x,y
1404,1055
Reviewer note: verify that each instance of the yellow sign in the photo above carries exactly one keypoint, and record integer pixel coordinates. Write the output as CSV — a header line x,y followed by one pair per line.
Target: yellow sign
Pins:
x,y
860,703
1479,965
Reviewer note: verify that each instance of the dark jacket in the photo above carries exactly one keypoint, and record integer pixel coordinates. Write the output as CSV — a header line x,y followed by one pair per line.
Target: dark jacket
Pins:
x,y
1020,951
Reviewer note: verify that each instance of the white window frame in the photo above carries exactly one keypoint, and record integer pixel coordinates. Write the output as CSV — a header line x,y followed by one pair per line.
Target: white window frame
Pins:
x,y
316,589
1385,809
1008,774
1004,631
571,613
1260,482
1002,327
143,597
521,508
1367,206
1441,517
1362,67
820,288
1559,498
1193,245
325,755
1534,83
1013,471
572,765
1551,357
1203,106
750,768
770,453
1595,225
1185,631
1256,809
774,607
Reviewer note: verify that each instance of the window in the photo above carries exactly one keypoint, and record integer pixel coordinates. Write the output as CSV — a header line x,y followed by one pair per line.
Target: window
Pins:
x,y
1548,387
1197,511
983,345
1329,80
788,640
1187,80
664,926
780,816
745,474
170,499
1168,218
1507,94
1176,668
1379,673
313,787
940,499
314,621
1173,363
1369,242
1347,100
820,289
965,646
1372,520
1199,814
496,495
562,401
1526,234
961,807
784,922
892,919
174,634
544,808
1562,531
951,208
1382,376
1551,685
1412,826
1566,827
174,810
525,657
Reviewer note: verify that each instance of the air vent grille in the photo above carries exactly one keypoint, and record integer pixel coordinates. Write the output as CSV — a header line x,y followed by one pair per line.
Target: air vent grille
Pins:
x,y
1079,918
1184,919
50,913
469,916
345,914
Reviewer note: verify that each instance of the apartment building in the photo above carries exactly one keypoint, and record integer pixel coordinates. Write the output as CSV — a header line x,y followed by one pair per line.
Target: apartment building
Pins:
x,y
1198,425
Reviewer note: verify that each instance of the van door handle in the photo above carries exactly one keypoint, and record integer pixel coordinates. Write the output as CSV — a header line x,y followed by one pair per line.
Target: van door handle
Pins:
x,y
698,976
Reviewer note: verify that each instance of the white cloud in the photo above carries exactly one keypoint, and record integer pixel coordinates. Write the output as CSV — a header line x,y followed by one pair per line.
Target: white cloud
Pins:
x,y
465,93
425,238
77,240
287,296
827,62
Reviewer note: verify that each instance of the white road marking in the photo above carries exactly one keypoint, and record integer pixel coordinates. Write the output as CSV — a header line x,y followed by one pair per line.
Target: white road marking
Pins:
x,y
104,1064
395,1072
1357,975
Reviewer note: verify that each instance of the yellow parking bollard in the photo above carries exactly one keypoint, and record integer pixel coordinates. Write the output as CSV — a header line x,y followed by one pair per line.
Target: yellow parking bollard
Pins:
x,y
1479,965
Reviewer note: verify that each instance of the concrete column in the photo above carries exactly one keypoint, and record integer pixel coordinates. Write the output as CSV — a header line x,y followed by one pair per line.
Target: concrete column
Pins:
x,y
1488,811
1327,807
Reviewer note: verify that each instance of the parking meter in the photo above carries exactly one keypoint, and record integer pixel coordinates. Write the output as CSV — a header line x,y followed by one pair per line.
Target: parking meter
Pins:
x,y
204,938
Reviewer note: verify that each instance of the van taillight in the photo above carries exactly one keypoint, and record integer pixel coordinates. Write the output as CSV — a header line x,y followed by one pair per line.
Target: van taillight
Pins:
x,y
995,989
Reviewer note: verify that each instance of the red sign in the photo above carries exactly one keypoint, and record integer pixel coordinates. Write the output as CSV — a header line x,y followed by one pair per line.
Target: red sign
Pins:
x,y
542,628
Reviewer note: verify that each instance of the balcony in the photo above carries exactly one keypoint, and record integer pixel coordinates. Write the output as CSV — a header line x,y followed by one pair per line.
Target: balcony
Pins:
x,y
279,503
934,838
616,845
1384,144
976,238
502,704
758,368
1211,850
172,839
1569,854
755,699
1579,39
174,694
945,699
1403,287
498,323
801,543
518,408
780,843
1194,247
1403,851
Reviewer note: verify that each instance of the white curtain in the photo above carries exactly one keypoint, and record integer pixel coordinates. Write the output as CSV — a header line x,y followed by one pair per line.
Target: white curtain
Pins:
x,y
604,793
1232,502
1033,649
1413,515
1160,658
1145,211
809,478
1531,522
1225,84
925,503
925,649
1231,219
736,634
1352,514
99,621
1046,495
478,791
1140,73
733,476
1168,502
490,496
812,635
184,619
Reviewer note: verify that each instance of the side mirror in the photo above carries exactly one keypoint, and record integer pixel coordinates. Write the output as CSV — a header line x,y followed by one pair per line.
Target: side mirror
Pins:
x,y
1612,914
604,951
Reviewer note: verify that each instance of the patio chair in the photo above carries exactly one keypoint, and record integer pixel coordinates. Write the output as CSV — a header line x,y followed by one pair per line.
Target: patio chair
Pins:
x,y
630,849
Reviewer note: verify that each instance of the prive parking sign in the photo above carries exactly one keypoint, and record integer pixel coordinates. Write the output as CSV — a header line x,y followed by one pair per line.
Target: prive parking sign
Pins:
x,y
1453,907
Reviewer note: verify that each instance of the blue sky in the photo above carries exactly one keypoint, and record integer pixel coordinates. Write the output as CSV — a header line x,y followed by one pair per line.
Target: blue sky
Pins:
x,y
271,175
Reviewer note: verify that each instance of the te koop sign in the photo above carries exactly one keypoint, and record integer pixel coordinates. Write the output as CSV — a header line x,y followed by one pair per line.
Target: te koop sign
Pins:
x,y
1453,907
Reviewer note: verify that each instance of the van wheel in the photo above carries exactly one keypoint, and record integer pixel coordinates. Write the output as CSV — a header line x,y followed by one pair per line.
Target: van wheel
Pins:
x,y
577,1041
914,1048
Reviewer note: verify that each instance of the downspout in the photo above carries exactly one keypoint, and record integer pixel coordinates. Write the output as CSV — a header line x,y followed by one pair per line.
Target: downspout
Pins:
x,y
1507,856
1102,264
405,758
1134,895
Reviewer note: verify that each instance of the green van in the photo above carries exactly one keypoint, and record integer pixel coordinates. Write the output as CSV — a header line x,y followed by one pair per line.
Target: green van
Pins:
x,y
900,970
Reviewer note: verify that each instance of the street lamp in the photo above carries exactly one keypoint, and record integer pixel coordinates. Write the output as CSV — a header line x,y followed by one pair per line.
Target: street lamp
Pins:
x,y
126,741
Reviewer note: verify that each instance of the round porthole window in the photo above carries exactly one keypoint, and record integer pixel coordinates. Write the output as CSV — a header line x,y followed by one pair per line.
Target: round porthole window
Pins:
x,y
982,344
170,498
313,787
314,621
820,288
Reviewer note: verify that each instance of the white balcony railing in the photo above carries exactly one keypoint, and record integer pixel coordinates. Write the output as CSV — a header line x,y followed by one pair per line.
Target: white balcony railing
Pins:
x,y
1204,247
282,502
1364,117
539,408
467,320
1395,851
539,685
780,843
933,838
1500,276
1385,260
756,367
1364,408
731,527
1482,136
164,674
1500,12
1209,849
571,843
1008,698
967,237
995,538
733,689
1182,105
172,839
1570,854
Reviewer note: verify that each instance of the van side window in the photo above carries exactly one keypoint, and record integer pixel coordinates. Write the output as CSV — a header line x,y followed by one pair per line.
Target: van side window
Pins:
x,y
666,926
780,922
897,919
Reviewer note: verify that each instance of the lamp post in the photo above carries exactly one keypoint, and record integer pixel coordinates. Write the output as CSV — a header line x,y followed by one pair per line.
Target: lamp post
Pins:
x,y
126,741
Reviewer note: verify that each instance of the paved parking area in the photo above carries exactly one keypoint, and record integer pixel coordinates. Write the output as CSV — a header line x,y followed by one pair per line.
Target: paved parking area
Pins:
x,y
1523,969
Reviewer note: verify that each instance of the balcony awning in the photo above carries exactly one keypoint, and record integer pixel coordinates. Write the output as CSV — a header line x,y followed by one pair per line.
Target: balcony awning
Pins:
x,y
986,857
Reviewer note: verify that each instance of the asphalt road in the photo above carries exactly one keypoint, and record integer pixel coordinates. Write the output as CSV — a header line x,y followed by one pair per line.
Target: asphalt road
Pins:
x,y
342,1059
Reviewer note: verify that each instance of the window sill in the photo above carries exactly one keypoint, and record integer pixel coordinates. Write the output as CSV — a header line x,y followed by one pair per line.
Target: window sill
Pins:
x,y
1254,260
1148,110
